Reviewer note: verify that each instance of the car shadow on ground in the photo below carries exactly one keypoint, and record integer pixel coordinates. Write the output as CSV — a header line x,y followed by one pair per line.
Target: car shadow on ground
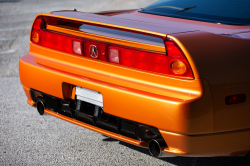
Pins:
x,y
197,161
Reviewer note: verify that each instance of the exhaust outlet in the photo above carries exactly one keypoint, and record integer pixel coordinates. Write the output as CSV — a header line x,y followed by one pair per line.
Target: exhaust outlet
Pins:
x,y
40,105
156,148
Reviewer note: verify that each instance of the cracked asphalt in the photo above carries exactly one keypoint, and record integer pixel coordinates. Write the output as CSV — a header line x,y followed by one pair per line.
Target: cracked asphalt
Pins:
x,y
29,139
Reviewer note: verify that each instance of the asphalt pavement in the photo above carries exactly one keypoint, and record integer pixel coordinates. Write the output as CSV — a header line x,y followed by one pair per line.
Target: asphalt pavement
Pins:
x,y
26,138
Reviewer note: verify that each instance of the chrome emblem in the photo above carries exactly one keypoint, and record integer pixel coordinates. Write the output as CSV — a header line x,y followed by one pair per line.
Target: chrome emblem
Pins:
x,y
93,51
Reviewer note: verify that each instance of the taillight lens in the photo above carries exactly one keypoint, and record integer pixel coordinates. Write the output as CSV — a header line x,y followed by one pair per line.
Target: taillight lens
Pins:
x,y
178,67
53,40
173,50
114,55
139,59
35,36
172,63
38,23
61,42
177,62
77,47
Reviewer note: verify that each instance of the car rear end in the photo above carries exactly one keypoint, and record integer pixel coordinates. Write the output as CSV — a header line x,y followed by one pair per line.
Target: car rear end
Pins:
x,y
133,81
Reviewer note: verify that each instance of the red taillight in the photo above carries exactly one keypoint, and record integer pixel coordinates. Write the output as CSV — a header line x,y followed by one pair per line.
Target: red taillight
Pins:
x,y
53,40
173,50
172,63
35,35
139,59
61,42
38,23
177,62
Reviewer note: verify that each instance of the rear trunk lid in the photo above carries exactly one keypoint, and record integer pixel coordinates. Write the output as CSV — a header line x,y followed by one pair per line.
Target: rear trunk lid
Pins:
x,y
178,22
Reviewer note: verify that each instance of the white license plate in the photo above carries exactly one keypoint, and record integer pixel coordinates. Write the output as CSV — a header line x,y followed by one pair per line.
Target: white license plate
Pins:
x,y
89,96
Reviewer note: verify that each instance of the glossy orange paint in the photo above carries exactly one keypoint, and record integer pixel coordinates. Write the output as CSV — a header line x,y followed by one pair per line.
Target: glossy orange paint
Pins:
x,y
152,108
219,144
190,113
225,66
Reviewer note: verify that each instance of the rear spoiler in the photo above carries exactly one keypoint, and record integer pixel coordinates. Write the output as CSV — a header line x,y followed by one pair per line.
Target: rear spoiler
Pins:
x,y
146,36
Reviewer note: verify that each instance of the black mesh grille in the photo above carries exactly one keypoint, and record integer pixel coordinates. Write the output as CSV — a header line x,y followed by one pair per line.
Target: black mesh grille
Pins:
x,y
106,125
86,115
128,129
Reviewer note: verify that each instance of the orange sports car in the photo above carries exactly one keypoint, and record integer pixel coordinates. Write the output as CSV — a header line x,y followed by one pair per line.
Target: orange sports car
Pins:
x,y
172,77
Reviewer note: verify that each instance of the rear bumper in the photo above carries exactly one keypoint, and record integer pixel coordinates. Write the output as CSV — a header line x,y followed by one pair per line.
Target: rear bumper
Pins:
x,y
169,110
221,144
209,145
176,118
